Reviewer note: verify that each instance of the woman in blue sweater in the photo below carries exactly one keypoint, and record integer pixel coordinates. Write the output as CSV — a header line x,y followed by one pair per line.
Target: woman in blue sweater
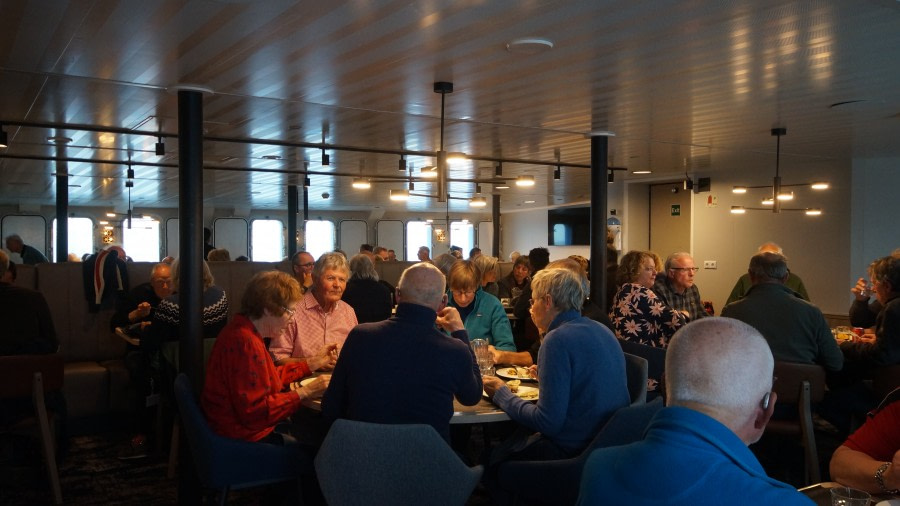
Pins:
x,y
482,313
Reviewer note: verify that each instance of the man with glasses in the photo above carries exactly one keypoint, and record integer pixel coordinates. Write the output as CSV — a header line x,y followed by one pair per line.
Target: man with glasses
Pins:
x,y
302,265
677,289
795,329
719,400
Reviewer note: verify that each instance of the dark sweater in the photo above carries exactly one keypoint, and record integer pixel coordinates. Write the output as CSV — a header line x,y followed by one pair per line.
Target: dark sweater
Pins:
x,y
27,323
370,300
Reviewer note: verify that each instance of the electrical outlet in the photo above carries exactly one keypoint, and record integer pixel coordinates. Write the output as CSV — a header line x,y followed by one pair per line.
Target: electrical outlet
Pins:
x,y
710,264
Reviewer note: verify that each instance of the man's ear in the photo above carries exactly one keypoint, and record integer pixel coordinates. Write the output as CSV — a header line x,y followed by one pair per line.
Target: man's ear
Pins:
x,y
764,415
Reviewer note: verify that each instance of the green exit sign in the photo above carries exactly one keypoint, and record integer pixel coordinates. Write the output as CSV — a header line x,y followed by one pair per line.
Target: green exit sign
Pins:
x,y
676,209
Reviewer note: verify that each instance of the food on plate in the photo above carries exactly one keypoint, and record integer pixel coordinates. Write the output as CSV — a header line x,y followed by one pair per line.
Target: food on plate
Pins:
x,y
513,385
529,395
512,371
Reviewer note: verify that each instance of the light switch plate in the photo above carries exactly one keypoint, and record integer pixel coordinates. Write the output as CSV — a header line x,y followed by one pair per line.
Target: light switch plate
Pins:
x,y
710,264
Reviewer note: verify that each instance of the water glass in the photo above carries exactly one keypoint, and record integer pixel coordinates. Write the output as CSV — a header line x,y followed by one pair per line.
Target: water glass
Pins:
x,y
483,356
846,496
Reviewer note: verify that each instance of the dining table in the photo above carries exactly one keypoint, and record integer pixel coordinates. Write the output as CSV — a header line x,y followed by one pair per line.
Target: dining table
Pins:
x,y
820,493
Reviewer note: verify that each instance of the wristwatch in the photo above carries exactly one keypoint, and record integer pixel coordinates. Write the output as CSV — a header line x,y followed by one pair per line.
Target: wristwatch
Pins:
x,y
879,478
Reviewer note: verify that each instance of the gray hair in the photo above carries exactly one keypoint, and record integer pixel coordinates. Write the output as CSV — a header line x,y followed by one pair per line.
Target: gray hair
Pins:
x,y
720,363
333,261
208,279
887,269
575,267
675,256
486,264
768,267
563,285
444,262
361,267
422,284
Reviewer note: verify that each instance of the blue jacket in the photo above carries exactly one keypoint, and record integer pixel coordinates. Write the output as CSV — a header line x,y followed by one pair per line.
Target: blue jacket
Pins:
x,y
582,373
488,320
686,458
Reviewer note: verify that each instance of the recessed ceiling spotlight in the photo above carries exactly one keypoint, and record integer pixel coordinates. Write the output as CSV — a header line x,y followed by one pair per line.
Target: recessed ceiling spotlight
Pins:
x,y
600,133
529,45
59,139
529,202
175,88
272,157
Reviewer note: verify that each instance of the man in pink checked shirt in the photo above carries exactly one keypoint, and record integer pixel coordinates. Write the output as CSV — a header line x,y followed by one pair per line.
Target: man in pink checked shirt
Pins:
x,y
321,317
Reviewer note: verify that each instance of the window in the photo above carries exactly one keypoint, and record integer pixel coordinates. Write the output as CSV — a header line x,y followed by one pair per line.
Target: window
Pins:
x,y
319,237
462,234
81,237
141,241
418,234
267,240
32,229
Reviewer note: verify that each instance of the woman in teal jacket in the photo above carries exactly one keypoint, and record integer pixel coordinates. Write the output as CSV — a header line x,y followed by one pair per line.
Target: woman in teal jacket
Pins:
x,y
482,313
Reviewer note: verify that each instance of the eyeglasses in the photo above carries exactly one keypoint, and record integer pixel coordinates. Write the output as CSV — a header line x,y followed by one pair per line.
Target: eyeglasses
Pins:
x,y
288,311
458,293
306,266
692,269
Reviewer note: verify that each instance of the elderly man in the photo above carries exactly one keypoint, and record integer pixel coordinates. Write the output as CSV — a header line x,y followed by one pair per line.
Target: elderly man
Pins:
x,y
577,355
677,288
718,385
427,367
27,323
392,255
321,318
30,255
795,329
381,253
743,283
137,305
302,266
424,254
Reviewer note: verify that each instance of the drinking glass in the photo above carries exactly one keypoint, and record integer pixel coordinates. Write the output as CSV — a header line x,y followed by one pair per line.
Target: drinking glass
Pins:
x,y
483,356
846,496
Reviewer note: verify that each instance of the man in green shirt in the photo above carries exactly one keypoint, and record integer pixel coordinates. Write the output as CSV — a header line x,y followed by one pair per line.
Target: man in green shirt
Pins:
x,y
743,283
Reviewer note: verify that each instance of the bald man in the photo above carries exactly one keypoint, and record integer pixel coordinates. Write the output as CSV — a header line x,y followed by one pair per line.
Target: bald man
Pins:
x,y
743,283
30,255
427,368
719,391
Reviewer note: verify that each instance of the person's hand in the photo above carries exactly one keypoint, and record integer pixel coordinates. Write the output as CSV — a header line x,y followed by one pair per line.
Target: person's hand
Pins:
x,y
532,371
891,476
861,290
449,320
325,359
315,388
142,311
495,354
144,325
866,338
491,385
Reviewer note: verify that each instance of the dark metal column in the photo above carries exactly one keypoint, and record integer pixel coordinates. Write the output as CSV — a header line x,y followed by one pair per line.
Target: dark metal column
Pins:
x,y
62,204
599,199
293,199
495,216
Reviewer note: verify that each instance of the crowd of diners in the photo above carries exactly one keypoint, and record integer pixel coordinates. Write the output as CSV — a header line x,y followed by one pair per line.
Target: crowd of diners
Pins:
x,y
387,354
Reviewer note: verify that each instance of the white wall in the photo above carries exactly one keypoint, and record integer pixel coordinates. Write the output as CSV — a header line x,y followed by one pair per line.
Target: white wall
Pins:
x,y
875,230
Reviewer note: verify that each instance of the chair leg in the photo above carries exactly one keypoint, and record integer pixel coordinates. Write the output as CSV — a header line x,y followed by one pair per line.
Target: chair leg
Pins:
x,y
47,440
810,451
173,450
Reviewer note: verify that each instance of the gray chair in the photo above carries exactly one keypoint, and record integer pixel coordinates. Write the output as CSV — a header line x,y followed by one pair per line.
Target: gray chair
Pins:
x,y
636,377
656,364
363,463
226,464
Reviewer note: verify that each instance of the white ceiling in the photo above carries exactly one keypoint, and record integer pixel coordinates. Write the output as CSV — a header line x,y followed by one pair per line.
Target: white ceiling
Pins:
x,y
687,86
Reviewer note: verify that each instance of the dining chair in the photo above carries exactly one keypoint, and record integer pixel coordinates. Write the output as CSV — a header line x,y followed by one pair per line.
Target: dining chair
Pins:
x,y
24,376
363,463
636,377
799,386
656,365
226,464
556,482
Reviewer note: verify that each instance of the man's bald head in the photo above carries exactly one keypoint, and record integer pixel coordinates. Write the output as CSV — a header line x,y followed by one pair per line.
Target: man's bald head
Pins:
x,y
719,366
422,284
770,247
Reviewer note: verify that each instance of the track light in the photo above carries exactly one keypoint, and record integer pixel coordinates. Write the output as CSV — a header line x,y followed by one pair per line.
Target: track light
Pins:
x,y
307,182
4,140
498,170
399,195
401,165
611,177
477,188
525,181
326,160
160,147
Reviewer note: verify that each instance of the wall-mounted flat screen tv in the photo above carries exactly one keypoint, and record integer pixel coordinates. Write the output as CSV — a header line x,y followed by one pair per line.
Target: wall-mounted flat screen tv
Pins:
x,y
569,226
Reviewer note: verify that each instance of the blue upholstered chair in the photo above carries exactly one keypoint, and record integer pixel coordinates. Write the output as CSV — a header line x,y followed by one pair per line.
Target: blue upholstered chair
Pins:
x,y
227,464
636,377
363,463
557,482
656,363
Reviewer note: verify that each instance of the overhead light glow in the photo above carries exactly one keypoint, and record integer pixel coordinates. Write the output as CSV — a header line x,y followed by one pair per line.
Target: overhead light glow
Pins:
x,y
786,196
739,189
813,212
768,202
478,202
399,195
525,181
502,187
821,185
642,172
738,210
361,183
429,171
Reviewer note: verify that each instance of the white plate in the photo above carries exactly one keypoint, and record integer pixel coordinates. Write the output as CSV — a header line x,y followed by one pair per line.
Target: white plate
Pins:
x,y
307,381
506,373
889,502
525,392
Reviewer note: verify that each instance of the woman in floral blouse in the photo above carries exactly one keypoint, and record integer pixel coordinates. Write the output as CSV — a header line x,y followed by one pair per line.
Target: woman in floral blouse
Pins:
x,y
638,314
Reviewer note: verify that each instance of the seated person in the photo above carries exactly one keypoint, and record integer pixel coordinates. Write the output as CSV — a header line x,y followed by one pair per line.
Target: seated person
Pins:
x,y
577,355
27,322
743,284
302,264
870,458
795,329
490,271
482,313
444,262
514,283
320,318
862,311
218,255
137,305
884,349
245,395
428,368
676,287
638,314
718,386
370,299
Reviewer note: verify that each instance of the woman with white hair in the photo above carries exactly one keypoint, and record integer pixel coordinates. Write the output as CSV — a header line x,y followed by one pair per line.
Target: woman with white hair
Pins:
x,y
368,297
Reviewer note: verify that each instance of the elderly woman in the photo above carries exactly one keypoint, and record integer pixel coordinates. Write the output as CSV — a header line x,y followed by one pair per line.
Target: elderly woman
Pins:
x,y
369,298
638,314
490,271
577,354
482,314
514,283
882,349
444,262
246,395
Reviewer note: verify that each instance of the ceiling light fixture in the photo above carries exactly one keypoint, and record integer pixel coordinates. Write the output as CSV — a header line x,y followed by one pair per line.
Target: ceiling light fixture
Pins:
x,y
502,187
4,140
738,210
401,165
640,172
361,183
777,195
498,170
525,181
611,176
326,160
399,195
529,45
477,202
429,171
160,147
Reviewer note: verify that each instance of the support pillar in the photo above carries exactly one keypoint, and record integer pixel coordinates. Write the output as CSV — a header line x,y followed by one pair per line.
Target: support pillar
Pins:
x,y
599,204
